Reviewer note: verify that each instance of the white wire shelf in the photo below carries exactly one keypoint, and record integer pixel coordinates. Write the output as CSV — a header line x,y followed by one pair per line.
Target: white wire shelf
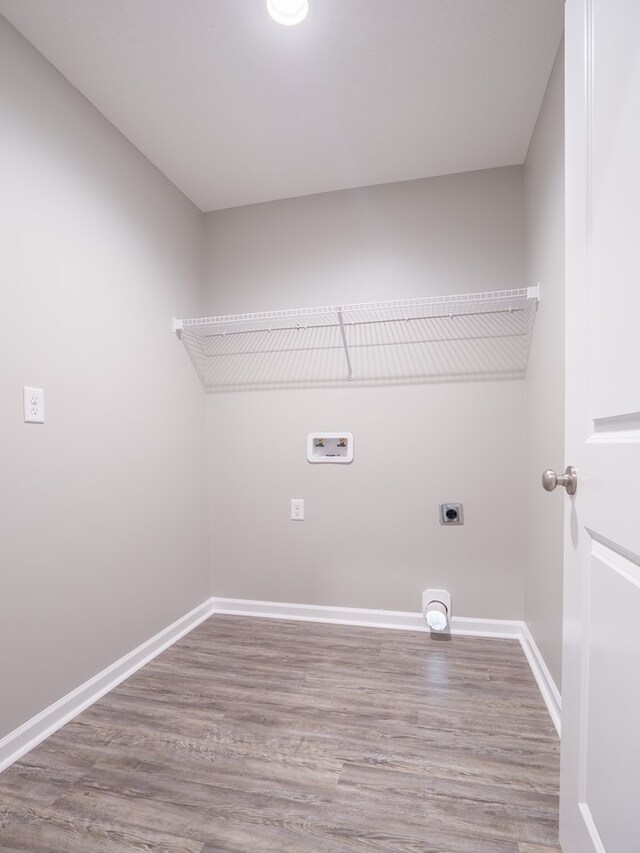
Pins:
x,y
466,336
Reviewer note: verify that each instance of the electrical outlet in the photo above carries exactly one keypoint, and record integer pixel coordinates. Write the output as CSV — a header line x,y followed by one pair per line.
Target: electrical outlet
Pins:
x,y
451,514
297,509
33,405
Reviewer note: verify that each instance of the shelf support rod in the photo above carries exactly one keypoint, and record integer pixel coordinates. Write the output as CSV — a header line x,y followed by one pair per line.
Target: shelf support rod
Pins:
x,y
344,344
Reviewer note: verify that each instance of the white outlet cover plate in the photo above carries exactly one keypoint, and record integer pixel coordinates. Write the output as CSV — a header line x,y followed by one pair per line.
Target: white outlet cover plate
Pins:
x,y
33,405
332,452
297,509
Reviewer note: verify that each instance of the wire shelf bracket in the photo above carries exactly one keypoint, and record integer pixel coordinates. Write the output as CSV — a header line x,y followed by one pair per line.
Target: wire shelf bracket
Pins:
x,y
345,345
469,335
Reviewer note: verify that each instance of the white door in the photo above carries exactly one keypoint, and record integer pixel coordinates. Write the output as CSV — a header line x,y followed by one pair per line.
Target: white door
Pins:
x,y
600,776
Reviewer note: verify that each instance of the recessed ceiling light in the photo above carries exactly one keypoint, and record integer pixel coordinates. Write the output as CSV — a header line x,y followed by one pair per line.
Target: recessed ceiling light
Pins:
x,y
288,12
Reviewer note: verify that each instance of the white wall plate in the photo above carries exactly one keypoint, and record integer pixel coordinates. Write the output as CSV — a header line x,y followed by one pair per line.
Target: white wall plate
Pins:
x,y
330,447
33,405
441,595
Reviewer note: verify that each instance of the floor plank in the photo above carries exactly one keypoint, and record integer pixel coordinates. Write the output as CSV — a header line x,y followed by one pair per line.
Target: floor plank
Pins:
x,y
273,735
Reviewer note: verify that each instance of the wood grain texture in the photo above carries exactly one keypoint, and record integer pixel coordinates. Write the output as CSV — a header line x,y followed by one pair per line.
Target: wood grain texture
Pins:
x,y
270,735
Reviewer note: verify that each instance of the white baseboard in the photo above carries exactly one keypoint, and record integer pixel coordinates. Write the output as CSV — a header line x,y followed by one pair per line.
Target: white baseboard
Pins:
x,y
406,621
34,731
395,619
547,685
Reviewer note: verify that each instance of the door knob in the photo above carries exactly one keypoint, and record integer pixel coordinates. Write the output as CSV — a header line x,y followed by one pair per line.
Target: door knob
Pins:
x,y
569,480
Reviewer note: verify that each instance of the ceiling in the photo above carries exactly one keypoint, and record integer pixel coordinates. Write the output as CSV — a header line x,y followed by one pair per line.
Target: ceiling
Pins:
x,y
236,109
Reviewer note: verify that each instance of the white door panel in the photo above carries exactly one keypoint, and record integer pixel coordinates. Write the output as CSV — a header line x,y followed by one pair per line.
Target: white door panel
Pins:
x,y
612,757
614,176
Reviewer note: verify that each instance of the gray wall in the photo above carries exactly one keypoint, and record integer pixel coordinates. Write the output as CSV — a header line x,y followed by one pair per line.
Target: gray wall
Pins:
x,y
106,524
371,537
104,507
544,262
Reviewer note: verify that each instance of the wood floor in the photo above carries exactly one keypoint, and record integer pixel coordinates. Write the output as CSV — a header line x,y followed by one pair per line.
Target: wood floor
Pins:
x,y
256,734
